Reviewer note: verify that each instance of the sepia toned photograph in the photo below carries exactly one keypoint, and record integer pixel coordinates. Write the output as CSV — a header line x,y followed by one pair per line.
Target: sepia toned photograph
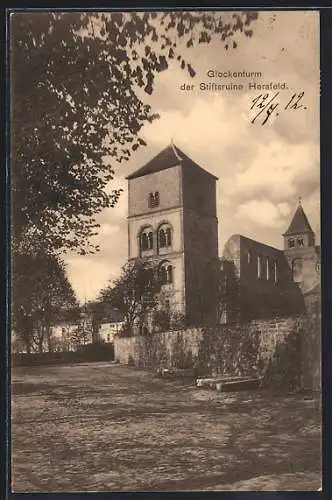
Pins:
x,y
165,251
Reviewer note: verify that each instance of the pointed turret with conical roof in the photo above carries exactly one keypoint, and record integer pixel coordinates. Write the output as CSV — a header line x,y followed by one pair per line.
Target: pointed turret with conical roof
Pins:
x,y
299,233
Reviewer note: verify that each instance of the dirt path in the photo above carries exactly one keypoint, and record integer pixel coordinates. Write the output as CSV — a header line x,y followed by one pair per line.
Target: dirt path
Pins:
x,y
105,427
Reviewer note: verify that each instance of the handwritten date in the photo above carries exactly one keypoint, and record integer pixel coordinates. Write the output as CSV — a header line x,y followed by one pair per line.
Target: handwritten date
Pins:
x,y
266,105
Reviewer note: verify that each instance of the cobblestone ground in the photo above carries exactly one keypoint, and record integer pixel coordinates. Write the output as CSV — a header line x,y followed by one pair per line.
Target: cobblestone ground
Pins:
x,y
106,427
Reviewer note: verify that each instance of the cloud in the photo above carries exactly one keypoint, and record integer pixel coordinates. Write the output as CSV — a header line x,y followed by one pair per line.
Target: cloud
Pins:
x,y
263,212
284,209
278,169
206,133
109,229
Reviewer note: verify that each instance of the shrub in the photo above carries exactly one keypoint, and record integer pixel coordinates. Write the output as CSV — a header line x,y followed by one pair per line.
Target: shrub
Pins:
x,y
284,368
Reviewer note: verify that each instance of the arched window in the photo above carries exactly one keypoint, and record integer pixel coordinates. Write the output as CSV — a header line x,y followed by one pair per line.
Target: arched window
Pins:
x,y
259,267
169,274
249,256
162,238
150,240
168,237
163,274
165,236
146,239
267,268
275,272
149,275
166,273
297,270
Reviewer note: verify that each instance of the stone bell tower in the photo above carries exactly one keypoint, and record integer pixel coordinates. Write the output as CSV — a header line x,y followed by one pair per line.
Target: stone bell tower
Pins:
x,y
172,222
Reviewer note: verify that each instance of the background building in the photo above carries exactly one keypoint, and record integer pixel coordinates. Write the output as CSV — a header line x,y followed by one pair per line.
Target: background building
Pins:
x,y
275,282
109,324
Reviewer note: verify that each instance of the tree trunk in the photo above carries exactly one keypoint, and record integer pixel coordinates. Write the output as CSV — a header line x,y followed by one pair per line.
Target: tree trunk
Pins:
x,y
27,342
40,333
49,338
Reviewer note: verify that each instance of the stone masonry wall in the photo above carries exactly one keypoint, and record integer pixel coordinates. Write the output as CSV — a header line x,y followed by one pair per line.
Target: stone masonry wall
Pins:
x,y
312,345
171,348
268,348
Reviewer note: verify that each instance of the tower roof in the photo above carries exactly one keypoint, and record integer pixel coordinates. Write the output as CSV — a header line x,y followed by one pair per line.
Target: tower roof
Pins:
x,y
167,158
299,223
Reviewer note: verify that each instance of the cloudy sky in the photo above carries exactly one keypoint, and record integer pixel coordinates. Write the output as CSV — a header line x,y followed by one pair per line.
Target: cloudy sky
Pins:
x,y
262,170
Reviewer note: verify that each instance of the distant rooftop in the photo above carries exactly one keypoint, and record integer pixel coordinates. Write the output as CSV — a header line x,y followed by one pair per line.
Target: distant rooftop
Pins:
x,y
299,223
167,158
111,314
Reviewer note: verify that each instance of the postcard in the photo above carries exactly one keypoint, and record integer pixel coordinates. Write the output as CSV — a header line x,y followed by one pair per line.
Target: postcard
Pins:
x,y
165,216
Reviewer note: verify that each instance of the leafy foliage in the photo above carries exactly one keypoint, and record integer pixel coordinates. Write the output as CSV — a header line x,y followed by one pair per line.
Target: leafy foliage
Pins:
x,y
165,319
76,111
134,294
41,296
227,292
161,319
283,371
81,335
96,311
218,293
